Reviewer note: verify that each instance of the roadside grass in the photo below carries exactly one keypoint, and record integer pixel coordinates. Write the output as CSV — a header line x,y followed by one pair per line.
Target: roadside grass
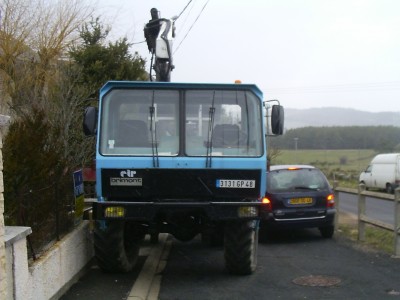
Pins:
x,y
377,238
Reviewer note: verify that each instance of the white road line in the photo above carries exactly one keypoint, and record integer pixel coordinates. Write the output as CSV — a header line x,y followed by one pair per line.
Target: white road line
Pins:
x,y
147,285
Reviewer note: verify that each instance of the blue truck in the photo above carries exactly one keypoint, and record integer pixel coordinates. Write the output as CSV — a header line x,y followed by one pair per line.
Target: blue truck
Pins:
x,y
183,159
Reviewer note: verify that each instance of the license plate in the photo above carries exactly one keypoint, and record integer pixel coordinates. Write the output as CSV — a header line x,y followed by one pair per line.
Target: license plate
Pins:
x,y
296,201
236,183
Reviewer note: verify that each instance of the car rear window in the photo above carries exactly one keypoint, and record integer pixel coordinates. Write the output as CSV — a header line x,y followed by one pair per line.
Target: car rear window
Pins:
x,y
285,179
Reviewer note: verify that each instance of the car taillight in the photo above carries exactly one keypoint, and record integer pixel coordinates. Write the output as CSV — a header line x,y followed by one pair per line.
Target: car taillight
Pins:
x,y
330,200
266,204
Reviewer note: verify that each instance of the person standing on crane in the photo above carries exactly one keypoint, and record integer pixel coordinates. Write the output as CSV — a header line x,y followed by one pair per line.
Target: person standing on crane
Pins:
x,y
159,34
152,29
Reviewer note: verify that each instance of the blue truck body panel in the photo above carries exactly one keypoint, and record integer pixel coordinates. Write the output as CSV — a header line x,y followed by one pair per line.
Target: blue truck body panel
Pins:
x,y
179,162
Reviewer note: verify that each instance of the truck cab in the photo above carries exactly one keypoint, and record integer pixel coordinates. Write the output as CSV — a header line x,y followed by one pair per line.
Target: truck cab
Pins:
x,y
180,158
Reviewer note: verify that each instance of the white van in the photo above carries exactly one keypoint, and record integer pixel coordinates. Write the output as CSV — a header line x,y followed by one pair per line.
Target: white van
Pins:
x,y
382,173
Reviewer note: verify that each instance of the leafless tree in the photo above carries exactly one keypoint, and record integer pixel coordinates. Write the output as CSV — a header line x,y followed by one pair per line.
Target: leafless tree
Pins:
x,y
16,26
34,36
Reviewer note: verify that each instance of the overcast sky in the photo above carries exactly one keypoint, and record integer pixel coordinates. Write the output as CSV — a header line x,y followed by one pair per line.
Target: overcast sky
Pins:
x,y
306,53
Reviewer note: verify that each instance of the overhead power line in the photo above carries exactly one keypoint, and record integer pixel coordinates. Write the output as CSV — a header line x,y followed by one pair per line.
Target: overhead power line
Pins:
x,y
183,23
184,9
192,26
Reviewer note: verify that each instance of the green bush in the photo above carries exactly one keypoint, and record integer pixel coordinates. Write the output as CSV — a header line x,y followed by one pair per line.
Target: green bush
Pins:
x,y
38,192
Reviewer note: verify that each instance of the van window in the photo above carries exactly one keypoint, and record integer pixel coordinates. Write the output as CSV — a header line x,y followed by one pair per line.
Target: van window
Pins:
x,y
369,169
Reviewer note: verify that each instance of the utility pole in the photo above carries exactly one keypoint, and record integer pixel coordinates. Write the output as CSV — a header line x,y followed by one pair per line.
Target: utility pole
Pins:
x,y
295,143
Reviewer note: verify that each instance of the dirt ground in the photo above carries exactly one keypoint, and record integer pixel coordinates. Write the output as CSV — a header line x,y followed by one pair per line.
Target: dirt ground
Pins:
x,y
346,218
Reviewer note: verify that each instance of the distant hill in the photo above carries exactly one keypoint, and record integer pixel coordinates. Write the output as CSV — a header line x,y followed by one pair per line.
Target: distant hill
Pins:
x,y
335,116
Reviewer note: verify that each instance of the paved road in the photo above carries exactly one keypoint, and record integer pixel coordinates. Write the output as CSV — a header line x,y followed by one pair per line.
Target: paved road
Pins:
x,y
195,272
288,267
379,209
97,285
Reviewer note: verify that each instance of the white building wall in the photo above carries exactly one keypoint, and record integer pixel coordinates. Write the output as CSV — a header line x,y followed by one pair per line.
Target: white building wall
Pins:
x,y
54,272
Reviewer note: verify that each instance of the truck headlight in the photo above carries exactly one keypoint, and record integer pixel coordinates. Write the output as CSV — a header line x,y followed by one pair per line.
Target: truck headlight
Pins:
x,y
114,212
247,211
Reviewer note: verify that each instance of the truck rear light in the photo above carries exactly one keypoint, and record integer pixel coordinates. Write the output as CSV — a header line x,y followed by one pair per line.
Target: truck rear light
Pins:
x,y
247,211
114,212
266,204
330,200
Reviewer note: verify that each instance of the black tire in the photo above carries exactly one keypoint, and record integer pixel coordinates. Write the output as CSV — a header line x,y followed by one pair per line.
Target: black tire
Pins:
x,y
116,246
389,188
327,231
362,182
240,247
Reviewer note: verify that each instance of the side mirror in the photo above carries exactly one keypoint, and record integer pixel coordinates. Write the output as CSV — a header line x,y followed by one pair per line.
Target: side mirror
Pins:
x,y
90,121
277,119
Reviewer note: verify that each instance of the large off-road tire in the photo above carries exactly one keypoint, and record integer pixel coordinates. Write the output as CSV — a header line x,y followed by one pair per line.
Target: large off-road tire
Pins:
x,y
116,246
240,247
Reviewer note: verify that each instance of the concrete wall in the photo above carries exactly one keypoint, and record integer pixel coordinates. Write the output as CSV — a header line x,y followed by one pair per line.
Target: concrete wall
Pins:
x,y
54,272
16,257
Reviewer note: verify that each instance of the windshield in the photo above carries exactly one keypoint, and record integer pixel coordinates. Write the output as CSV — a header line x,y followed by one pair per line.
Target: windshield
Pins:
x,y
147,122
289,180
136,122
223,123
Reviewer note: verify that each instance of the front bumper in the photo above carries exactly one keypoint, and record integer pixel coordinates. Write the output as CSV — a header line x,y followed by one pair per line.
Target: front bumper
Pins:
x,y
268,219
150,211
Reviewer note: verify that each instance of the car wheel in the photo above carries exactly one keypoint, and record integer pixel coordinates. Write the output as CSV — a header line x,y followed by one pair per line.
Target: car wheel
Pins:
x,y
362,182
327,231
389,188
